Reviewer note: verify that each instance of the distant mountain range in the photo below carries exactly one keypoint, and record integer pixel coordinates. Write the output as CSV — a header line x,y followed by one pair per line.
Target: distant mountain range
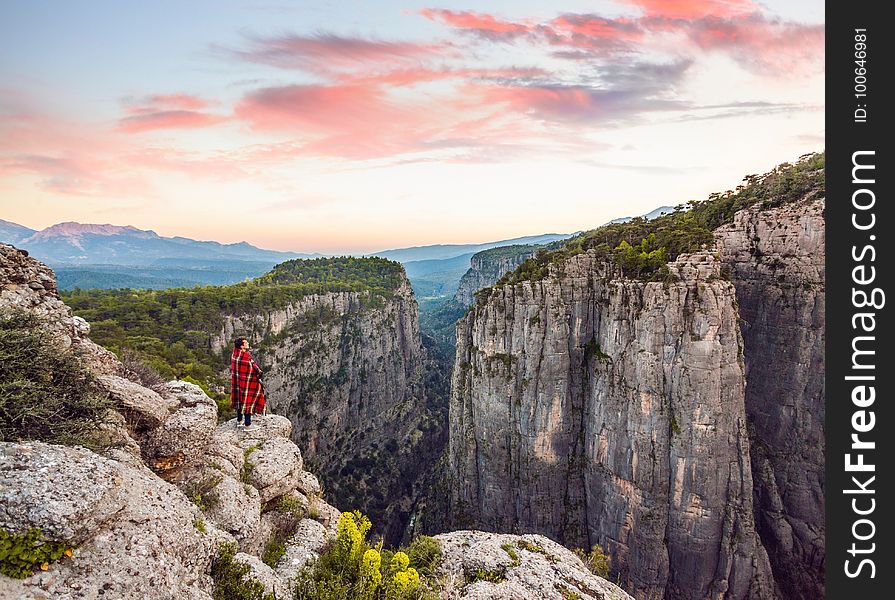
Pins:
x,y
114,256
90,244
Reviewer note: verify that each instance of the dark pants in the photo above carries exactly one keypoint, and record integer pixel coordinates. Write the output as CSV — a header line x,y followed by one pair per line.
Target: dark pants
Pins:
x,y
239,416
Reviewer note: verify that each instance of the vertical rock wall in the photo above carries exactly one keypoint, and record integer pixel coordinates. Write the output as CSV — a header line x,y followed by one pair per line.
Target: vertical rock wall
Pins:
x,y
596,410
776,261
347,369
486,267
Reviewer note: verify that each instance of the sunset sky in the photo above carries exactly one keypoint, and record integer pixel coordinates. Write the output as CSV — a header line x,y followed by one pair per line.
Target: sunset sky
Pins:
x,y
358,126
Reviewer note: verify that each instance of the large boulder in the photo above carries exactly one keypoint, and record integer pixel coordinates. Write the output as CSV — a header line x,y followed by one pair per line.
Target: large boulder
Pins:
x,y
142,408
136,536
493,566
182,438
274,468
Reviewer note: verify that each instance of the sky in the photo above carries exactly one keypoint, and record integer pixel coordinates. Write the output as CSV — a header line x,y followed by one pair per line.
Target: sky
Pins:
x,y
352,126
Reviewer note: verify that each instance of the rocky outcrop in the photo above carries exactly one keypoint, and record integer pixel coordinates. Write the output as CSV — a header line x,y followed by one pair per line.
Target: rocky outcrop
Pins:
x,y
489,566
486,267
347,368
594,409
775,258
129,533
30,286
133,533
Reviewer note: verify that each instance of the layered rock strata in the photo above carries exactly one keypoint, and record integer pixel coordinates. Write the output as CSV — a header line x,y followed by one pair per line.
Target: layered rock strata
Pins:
x,y
775,259
601,410
348,370
486,267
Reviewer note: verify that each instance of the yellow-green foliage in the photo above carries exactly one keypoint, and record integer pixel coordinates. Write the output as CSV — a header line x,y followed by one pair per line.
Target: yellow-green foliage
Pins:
x,y
21,555
531,547
352,569
425,555
199,524
596,560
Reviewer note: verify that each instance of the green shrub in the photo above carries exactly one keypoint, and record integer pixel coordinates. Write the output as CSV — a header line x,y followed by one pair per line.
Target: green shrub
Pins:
x,y
290,505
229,580
508,548
425,555
596,560
245,474
202,492
21,555
45,392
530,546
494,576
273,552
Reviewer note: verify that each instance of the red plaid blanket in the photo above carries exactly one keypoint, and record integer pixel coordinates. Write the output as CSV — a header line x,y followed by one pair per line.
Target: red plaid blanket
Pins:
x,y
245,384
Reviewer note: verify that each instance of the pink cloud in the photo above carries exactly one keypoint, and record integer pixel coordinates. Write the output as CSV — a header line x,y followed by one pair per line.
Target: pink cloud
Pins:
x,y
327,53
736,27
166,111
167,119
175,101
364,120
577,104
694,9
482,24
763,45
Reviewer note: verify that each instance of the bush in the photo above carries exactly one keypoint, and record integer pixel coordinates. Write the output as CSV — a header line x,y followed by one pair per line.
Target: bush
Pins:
x,y
425,555
229,580
45,392
596,560
146,374
351,569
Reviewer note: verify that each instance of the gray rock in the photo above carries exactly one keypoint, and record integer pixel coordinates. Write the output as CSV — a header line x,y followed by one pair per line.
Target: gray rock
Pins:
x,y
236,509
602,410
486,267
503,566
776,259
309,485
304,546
142,408
135,533
183,437
276,468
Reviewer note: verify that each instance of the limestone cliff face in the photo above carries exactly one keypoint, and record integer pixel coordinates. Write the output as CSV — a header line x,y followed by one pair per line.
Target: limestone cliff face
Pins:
x,y
486,267
611,411
147,518
776,261
348,370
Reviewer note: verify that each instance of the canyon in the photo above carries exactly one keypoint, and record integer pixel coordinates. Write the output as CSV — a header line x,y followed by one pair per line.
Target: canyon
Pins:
x,y
678,423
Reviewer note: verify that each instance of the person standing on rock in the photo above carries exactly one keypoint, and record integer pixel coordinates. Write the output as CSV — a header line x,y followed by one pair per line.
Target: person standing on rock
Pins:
x,y
246,391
